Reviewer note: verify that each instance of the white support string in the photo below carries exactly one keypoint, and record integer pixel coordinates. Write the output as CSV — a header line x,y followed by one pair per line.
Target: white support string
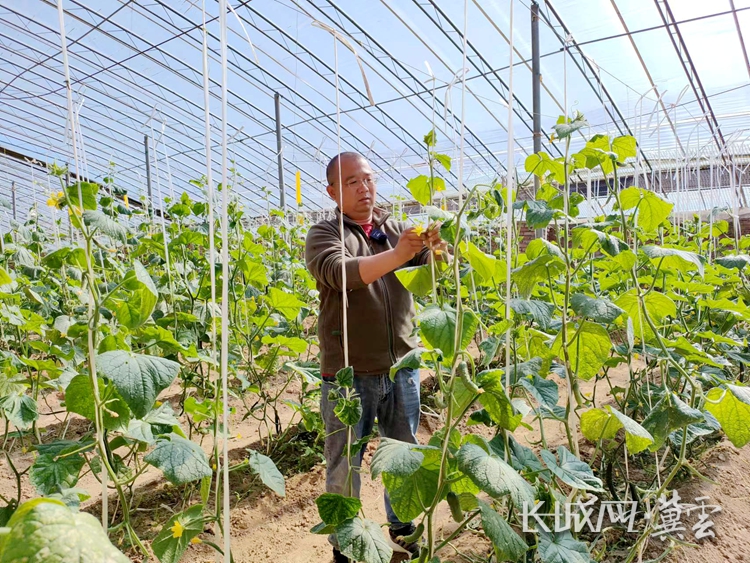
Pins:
x,y
225,284
91,350
509,204
463,111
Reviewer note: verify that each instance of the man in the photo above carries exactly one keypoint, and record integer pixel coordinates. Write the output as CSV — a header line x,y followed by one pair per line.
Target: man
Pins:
x,y
380,321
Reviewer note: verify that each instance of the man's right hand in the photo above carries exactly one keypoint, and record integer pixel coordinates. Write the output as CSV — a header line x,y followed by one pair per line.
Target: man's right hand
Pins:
x,y
409,243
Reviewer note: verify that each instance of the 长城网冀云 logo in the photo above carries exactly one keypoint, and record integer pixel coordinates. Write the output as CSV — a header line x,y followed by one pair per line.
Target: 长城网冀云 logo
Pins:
x,y
592,515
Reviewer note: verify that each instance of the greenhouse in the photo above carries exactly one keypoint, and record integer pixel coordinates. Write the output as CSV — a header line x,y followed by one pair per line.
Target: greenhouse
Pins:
x,y
310,281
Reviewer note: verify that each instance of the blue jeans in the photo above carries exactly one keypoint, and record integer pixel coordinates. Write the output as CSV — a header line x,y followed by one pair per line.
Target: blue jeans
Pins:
x,y
396,406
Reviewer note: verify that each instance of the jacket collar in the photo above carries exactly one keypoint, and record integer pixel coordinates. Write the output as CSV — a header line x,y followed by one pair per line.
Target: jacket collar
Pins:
x,y
379,217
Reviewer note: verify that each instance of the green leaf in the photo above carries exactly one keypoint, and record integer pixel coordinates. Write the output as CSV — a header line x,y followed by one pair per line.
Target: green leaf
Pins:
x,y
444,160
652,209
545,391
601,310
738,261
79,398
285,303
562,547
409,494
491,474
336,509
254,272
430,139
674,259
417,279
20,410
438,327
46,531
588,348
535,271
571,470
658,306
540,311
396,458
181,460
136,308
669,414
570,126
624,147
731,407
496,401
538,214
363,540
412,360
167,547
605,422
52,473
420,188
5,278
508,545
104,224
592,240
264,467
83,195
345,377
348,411
138,378
483,264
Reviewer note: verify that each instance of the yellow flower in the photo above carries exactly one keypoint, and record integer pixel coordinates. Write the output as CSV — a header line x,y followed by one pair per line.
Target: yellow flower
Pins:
x,y
56,200
239,436
196,541
158,404
125,201
419,229
177,529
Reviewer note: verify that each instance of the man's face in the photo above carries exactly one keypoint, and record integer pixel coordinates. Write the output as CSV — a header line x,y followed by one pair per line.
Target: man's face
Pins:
x,y
357,185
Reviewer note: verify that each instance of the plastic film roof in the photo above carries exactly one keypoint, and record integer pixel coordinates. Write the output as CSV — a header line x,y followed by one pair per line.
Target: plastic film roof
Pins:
x,y
674,73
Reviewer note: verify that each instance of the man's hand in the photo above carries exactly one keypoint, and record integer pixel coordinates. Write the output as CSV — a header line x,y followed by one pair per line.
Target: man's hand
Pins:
x,y
433,241
409,243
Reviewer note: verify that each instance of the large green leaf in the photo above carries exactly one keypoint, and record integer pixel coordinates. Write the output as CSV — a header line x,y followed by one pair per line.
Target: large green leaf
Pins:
x,y
538,214
363,540
508,545
491,474
138,378
674,259
79,398
731,407
417,279
136,307
593,240
20,410
336,509
411,360
605,422
52,473
541,269
46,531
254,272
175,536
396,458
180,460
5,278
104,224
82,195
285,303
571,470
669,414
652,209
438,328
264,467
540,311
496,401
411,493
483,264
624,147
600,310
588,348
562,547
658,306
420,188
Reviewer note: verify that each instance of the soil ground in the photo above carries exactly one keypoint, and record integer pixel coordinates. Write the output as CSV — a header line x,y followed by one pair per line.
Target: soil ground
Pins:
x,y
266,528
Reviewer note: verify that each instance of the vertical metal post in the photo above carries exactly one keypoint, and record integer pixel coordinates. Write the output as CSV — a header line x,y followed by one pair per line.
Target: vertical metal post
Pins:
x,y
148,174
13,199
279,156
536,83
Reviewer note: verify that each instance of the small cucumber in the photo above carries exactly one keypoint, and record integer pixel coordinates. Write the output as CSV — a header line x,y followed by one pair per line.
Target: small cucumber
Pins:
x,y
463,372
417,535
455,505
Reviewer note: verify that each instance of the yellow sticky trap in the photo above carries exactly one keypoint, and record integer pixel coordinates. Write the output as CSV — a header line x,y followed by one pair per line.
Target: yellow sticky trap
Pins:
x,y
298,179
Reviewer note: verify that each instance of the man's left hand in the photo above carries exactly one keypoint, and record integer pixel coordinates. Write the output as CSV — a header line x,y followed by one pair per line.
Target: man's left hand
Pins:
x,y
433,241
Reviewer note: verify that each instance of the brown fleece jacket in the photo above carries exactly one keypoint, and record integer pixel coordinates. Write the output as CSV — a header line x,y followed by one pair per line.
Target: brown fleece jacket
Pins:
x,y
380,314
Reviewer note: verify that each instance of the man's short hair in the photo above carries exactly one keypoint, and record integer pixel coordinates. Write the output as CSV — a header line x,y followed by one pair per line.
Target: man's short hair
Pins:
x,y
332,168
